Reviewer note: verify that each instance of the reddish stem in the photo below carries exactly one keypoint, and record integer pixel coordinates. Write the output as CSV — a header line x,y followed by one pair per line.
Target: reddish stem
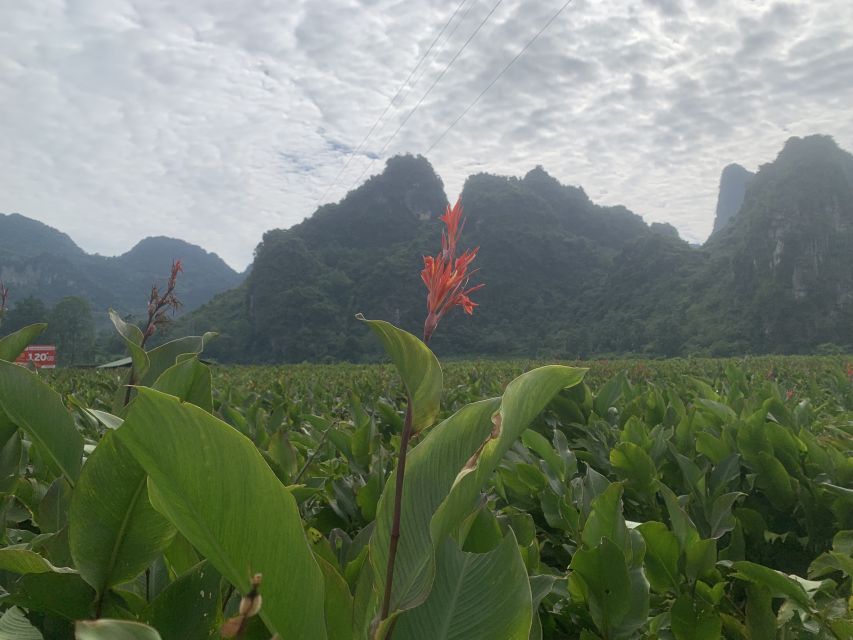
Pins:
x,y
398,506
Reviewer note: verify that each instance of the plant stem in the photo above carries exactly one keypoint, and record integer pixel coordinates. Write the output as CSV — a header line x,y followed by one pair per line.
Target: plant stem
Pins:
x,y
395,523
310,458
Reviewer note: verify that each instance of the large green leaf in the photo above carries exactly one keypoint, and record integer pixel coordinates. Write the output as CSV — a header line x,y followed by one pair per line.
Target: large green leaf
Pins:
x,y
62,594
338,607
26,561
605,519
190,380
167,354
476,596
114,533
633,464
617,598
445,473
114,630
132,336
15,626
39,411
662,552
418,368
524,399
13,345
776,582
215,486
190,607
431,469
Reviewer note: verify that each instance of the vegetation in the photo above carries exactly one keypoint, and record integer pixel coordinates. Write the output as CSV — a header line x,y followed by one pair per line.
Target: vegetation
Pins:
x,y
721,483
684,500
566,278
37,261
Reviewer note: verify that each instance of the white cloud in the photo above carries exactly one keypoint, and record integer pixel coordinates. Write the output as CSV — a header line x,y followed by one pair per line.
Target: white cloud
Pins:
x,y
214,121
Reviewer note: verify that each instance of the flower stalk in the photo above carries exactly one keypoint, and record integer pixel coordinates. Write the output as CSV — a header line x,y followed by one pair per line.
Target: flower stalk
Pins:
x,y
446,277
158,307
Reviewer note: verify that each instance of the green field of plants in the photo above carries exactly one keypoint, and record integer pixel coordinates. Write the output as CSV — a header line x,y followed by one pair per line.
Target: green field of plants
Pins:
x,y
680,499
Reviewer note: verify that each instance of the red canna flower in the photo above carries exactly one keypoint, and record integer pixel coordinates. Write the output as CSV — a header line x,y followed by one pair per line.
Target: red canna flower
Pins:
x,y
789,394
850,371
446,276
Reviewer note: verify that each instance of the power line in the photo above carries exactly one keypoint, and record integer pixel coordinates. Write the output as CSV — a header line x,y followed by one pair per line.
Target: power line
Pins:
x,y
428,91
446,40
352,154
498,77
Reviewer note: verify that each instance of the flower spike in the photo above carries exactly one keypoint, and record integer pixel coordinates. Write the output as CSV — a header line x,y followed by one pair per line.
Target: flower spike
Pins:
x,y
446,276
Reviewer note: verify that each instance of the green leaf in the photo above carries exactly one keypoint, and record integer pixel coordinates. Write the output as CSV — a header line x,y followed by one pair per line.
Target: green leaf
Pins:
x,y
190,380
617,599
63,594
10,462
689,624
475,597
167,355
700,558
610,393
40,412
53,508
215,486
537,442
24,561
662,552
778,583
190,607
13,345
114,630
634,465
15,626
338,606
606,520
524,399
775,481
760,619
114,533
722,521
107,419
445,473
431,468
682,525
132,336
418,367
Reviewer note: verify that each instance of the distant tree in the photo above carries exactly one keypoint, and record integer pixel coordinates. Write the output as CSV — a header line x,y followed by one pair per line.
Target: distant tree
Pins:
x,y
28,311
72,328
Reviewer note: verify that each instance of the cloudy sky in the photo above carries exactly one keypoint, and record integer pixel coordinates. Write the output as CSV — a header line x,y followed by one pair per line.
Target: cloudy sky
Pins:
x,y
215,120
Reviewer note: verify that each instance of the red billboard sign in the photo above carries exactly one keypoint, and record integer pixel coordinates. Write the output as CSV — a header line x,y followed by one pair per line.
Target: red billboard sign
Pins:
x,y
39,355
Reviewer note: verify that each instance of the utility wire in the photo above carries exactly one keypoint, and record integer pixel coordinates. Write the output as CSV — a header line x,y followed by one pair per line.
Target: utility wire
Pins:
x,y
352,154
441,48
428,91
498,77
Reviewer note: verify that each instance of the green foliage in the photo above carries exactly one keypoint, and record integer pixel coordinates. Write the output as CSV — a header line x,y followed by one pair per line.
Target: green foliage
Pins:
x,y
72,328
685,499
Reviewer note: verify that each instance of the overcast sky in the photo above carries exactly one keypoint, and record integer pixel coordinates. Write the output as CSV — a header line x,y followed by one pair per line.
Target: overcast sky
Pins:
x,y
215,120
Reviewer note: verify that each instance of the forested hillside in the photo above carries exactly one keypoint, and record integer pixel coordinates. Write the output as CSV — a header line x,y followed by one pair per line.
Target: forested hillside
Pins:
x,y
564,277
40,262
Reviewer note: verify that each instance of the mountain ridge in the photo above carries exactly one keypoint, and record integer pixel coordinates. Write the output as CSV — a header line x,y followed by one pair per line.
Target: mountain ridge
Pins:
x,y
565,277
40,261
